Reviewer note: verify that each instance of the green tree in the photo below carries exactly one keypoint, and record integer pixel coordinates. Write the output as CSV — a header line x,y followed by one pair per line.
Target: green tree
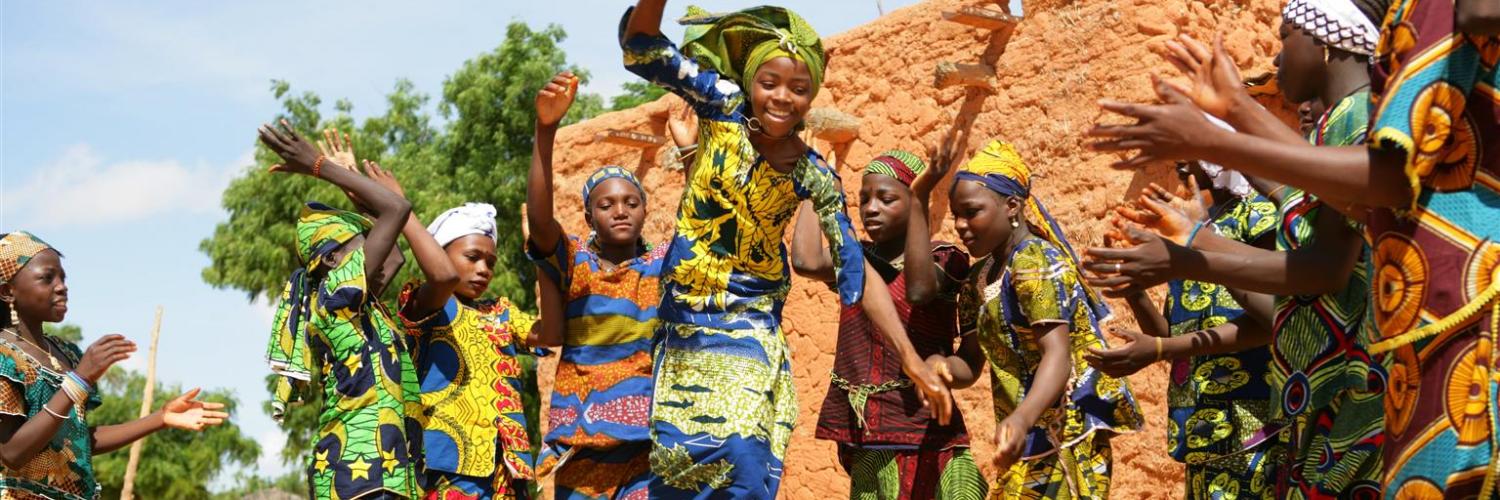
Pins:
x,y
65,332
479,152
636,94
174,463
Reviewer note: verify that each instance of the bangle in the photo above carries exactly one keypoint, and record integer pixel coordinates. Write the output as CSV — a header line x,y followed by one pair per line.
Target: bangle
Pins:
x,y
1193,235
1158,349
318,166
53,413
88,388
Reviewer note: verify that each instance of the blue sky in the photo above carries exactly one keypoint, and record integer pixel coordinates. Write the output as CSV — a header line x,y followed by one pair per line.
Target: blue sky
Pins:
x,y
121,124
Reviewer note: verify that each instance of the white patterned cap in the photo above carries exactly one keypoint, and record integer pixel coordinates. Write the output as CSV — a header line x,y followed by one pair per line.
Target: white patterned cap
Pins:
x,y
1338,23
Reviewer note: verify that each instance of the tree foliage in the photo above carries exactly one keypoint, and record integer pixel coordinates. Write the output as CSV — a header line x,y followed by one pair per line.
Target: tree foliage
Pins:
x,y
479,153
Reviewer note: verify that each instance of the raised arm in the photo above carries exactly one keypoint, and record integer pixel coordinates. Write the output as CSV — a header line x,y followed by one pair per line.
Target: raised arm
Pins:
x,y
810,258
552,102
442,277
390,209
646,18
922,284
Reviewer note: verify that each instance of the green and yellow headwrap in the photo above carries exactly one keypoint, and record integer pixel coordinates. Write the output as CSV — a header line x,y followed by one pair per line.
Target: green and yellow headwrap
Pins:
x,y
16,249
321,230
1001,169
901,165
737,44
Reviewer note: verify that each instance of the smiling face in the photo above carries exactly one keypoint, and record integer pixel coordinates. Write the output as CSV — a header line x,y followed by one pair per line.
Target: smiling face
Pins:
x,y
39,291
981,217
616,210
780,94
884,207
473,256
1301,68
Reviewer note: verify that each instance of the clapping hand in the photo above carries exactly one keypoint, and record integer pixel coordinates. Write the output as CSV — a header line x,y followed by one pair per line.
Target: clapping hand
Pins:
x,y
188,413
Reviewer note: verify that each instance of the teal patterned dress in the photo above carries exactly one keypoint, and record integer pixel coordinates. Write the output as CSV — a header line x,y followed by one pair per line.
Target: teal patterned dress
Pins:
x,y
64,469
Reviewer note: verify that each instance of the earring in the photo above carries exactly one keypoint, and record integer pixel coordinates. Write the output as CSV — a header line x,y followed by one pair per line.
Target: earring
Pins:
x,y
15,319
753,124
1014,224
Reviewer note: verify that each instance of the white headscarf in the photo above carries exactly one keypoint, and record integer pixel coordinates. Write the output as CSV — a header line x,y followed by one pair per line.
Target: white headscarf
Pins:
x,y
1230,180
1338,23
458,222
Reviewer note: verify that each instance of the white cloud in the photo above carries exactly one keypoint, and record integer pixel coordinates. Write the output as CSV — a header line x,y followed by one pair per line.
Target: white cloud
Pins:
x,y
81,188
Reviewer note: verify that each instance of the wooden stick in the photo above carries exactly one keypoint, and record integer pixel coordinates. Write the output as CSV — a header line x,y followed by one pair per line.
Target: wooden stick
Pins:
x,y
981,18
128,490
951,74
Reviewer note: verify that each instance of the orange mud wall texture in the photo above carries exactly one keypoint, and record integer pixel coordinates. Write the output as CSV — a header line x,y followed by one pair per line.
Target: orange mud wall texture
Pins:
x,y
1063,57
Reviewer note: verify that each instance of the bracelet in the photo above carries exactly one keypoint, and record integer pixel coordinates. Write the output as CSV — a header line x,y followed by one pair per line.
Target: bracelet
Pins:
x,y
1193,235
1158,349
76,390
87,387
687,148
53,413
318,166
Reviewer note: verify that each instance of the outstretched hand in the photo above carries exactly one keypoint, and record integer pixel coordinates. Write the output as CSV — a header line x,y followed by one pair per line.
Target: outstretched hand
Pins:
x,y
1120,272
1215,81
1138,351
554,99
340,152
1173,130
188,413
1157,210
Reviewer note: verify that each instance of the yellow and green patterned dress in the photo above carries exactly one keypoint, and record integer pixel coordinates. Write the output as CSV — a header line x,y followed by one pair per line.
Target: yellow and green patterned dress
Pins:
x,y
330,321
724,402
1067,452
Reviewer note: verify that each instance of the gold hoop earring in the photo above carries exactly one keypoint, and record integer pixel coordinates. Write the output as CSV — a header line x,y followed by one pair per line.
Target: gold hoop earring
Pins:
x,y
753,124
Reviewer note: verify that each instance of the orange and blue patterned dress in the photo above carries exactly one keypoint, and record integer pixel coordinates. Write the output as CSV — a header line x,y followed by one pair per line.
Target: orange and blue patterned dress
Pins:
x,y
474,427
599,440
1433,275
725,404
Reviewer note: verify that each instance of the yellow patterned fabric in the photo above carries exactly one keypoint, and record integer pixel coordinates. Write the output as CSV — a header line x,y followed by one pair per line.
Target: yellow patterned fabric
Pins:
x,y
1081,471
1035,291
471,386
